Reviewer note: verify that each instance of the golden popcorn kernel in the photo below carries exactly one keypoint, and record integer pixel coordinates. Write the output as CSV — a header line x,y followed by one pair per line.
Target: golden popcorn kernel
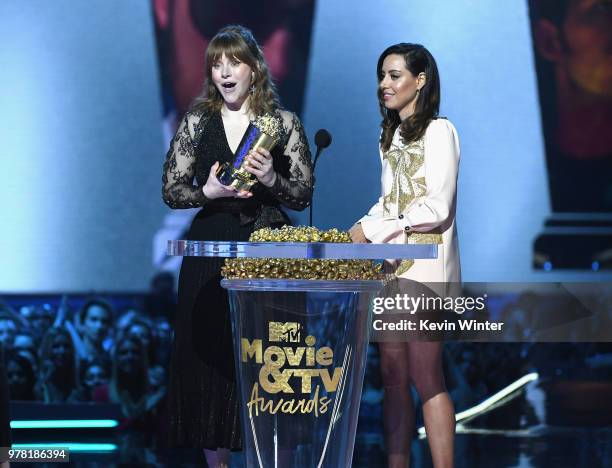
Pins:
x,y
291,268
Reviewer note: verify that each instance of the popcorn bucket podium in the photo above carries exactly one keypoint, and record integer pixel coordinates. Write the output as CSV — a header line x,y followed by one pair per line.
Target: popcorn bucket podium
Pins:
x,y
300,349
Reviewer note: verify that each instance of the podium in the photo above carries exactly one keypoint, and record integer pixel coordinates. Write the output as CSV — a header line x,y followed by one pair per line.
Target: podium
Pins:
x,y
300,348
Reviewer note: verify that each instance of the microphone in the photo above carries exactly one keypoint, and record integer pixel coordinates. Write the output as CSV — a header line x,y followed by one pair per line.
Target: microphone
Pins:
x,y
322,139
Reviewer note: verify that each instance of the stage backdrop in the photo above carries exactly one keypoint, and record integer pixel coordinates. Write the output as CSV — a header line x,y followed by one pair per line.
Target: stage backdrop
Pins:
x,y
80,194
82,146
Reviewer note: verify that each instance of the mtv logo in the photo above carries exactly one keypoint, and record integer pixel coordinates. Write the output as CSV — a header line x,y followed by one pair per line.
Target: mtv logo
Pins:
x,y
288,332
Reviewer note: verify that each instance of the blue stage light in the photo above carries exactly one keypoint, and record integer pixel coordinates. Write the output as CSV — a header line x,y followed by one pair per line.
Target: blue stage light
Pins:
x,y
73,447
65,424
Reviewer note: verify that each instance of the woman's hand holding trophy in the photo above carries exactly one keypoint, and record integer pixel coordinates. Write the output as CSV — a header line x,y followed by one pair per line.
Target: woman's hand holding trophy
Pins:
x,y
253,160
259,163
214,189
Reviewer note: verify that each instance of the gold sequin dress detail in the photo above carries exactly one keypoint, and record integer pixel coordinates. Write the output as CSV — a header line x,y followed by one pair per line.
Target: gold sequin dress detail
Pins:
x,y
418,201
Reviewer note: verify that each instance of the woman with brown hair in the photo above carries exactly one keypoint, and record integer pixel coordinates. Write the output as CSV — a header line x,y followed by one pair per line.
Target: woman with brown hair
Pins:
x,y
420,160
203,398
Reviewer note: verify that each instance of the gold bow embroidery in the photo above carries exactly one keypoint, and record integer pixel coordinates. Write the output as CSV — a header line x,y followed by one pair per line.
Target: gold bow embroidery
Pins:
x,y
404,162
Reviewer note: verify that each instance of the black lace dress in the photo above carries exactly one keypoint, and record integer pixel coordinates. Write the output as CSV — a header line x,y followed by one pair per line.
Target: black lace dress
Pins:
x,y
203,395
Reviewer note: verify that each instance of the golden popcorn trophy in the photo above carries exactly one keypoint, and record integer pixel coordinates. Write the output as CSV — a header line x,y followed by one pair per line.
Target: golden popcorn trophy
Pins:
x,y
300,302
261,133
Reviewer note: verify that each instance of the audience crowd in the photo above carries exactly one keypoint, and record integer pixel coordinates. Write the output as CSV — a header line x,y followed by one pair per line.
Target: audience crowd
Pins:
x,y
87,349
101,349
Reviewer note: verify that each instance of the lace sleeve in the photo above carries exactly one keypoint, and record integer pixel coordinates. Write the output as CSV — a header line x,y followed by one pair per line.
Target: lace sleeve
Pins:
x,y
178,190
295,188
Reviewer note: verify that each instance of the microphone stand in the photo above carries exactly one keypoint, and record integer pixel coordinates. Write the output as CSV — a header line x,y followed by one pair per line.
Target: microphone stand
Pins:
x,y
322,139
314,165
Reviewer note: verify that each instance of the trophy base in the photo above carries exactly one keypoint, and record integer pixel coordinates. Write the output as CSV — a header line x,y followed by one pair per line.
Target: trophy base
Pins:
x,y
239,180
577,241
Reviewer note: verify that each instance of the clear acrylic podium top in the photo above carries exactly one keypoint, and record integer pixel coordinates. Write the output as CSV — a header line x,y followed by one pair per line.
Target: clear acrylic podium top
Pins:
x,y
305,250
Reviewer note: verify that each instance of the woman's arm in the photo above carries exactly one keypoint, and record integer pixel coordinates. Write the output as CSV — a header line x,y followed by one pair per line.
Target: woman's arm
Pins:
x,y
294,191
356,232
441,170
434,208
178,190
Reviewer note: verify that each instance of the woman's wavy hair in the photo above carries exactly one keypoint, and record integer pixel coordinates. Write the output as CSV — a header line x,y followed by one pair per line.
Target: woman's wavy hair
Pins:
x,y
418,60
238,42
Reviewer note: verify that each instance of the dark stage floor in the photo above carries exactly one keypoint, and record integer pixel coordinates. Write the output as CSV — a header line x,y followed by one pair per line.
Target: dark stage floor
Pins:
x,y
552,424
543,447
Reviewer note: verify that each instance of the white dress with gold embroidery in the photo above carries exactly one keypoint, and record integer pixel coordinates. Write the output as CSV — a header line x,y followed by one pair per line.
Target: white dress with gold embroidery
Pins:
x,y
418,201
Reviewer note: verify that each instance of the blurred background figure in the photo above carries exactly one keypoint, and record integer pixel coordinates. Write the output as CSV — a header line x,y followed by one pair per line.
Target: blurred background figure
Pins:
x,y
573,51
25,345
93,326
41,318
57,375
160,301
21,377
163,337
92,376
157,380
8,330
572,40
129,386
141,329
10,323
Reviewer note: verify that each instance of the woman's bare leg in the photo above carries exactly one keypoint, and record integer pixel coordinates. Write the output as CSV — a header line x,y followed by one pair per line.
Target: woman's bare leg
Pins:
x,y
439,415
438,412
398,407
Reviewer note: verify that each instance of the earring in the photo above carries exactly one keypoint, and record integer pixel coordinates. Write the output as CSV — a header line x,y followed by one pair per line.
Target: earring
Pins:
x,y
252,89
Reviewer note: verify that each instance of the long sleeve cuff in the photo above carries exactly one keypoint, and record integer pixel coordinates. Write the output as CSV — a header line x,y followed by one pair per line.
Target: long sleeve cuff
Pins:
x,y
383,230
281,191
